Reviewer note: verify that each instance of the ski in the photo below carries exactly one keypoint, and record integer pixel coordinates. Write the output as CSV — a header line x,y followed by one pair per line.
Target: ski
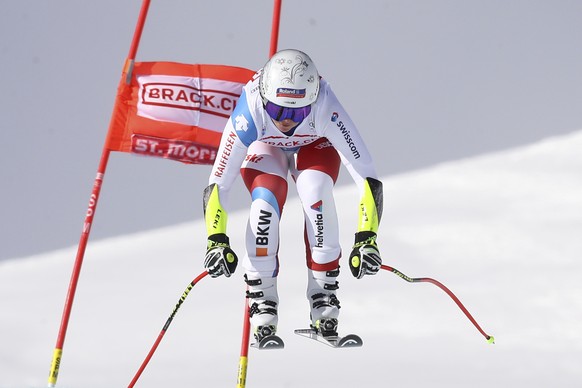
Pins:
x,y
348,341
269,342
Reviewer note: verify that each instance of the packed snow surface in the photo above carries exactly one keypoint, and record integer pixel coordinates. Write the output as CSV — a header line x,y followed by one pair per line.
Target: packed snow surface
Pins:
x,y
502,231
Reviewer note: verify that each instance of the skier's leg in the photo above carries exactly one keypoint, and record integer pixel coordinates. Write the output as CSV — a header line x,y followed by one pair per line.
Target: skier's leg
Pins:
x,y
264,172
315,176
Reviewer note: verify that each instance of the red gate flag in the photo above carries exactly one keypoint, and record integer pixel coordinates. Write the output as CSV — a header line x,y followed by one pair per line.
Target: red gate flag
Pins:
x,y
173,110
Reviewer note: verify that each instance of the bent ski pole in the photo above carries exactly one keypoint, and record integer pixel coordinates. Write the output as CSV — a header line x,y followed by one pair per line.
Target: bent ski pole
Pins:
x,y
165,328
490,339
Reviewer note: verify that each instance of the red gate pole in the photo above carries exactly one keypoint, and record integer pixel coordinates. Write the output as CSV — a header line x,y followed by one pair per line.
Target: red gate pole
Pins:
x,y
58,351
275,27
244,351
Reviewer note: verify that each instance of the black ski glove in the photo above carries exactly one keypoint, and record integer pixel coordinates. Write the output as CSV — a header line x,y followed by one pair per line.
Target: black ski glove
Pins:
x,y
220,259
365,258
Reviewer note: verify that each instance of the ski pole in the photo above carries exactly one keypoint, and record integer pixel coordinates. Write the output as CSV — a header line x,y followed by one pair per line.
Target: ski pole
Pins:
x,y
244,349
490,339
165,328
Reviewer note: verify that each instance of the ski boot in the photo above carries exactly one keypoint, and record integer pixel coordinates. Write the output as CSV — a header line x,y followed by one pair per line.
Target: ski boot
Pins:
x,y
263,301
321,287
326,327
325,311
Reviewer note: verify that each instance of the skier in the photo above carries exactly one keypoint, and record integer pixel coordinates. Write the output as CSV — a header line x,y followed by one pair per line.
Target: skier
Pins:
x,y
288,120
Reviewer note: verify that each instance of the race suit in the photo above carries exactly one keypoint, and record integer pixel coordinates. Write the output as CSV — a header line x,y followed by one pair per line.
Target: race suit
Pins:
x,y
311,153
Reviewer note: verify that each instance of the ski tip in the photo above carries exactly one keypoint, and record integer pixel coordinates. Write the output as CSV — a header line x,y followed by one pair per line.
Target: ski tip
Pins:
x,y
271,342
350,341
490,339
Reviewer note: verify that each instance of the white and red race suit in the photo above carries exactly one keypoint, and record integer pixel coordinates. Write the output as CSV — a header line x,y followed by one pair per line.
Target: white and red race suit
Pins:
x,y
312,153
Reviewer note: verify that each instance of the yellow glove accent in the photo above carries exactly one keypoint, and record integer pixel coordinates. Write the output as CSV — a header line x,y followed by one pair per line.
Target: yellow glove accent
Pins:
x,y
370,206
214,215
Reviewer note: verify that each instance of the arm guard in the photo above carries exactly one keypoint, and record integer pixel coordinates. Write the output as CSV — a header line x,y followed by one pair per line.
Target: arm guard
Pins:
x,y
214,215
371,206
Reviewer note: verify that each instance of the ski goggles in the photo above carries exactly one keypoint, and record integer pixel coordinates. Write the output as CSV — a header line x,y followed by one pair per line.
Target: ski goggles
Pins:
x,y
280,113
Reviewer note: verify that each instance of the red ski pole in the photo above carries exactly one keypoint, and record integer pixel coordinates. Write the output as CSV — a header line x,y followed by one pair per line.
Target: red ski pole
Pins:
x,y
165,328
490,339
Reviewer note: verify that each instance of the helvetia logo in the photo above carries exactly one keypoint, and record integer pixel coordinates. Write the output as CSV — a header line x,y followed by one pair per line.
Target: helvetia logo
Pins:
x,y
317,206
334,117
318,226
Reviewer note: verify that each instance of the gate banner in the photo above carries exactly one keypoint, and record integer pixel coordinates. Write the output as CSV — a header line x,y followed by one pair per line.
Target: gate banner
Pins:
x,y
173,110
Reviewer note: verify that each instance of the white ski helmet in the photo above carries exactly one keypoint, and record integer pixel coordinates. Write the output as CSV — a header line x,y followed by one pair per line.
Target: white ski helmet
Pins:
x,y
289,79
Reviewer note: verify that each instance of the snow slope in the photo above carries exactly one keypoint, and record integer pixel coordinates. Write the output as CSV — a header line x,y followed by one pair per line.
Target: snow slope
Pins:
x,y
502,231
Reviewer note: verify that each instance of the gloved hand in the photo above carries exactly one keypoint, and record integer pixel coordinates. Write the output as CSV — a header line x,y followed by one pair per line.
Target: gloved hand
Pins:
x,y
220,259
365,258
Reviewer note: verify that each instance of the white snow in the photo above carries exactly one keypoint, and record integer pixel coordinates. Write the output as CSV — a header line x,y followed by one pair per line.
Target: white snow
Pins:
x,y
502,231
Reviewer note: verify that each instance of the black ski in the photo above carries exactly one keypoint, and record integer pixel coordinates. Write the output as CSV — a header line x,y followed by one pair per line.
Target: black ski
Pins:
x,y
269,342
348,341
